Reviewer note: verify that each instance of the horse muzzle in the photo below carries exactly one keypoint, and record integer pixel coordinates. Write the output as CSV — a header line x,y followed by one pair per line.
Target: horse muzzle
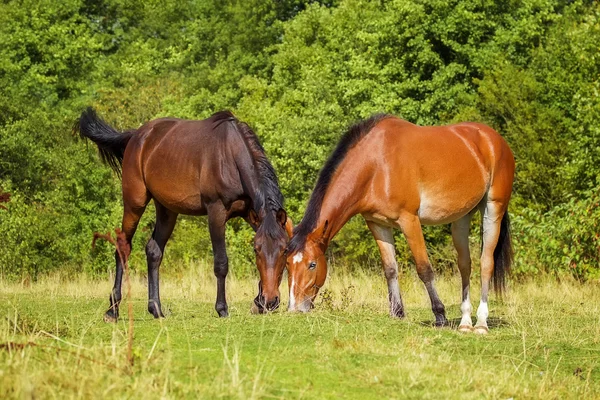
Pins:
x,y
262,305
304,306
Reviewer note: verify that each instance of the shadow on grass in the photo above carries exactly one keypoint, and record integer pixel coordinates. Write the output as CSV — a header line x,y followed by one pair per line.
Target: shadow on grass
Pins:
x,y
493,323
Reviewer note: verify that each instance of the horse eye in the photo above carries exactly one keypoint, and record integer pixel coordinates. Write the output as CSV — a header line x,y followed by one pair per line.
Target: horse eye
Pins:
x,y
312,265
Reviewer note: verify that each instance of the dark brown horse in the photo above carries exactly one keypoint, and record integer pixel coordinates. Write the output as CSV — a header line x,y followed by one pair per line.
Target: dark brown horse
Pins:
x,y
399,175
213,167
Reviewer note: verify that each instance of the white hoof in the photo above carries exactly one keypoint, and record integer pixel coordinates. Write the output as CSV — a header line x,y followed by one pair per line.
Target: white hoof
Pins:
x,y
465,328
481,330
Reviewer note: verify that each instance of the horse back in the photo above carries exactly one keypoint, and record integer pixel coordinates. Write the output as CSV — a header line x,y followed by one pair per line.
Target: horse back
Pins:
x,y
439,173
183,164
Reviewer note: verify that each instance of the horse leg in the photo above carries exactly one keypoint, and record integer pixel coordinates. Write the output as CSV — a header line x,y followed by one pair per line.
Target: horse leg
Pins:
x,y
411,227
460,237
491,219
131,218
217,217
385,240
165,222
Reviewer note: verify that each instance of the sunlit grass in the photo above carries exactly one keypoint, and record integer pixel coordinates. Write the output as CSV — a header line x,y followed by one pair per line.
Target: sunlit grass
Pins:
x,y
544,342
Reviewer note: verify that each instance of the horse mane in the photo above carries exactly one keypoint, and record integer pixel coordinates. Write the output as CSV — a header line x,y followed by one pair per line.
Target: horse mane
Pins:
x,y
269,195
350,139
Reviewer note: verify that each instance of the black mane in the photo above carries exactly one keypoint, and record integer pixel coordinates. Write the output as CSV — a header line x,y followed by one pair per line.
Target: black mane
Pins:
x,y
269,195
354,134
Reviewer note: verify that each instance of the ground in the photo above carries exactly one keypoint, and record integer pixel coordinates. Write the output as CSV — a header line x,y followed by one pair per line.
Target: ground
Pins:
x,y
544,342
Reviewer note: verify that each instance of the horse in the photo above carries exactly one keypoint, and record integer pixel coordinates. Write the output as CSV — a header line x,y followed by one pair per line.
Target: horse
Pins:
x,y
398,175
215,167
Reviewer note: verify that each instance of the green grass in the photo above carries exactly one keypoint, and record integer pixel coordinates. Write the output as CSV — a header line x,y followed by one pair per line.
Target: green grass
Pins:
x,y
544,342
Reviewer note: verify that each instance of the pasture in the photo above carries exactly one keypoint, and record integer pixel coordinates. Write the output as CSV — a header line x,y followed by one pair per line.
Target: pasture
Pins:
x,y
544,342
298,72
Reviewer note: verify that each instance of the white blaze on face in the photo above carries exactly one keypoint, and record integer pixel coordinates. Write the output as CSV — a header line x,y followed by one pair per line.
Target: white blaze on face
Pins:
x,y
298,257
292,304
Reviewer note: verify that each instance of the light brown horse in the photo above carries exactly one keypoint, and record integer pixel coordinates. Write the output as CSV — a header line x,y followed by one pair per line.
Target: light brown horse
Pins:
x,y
213,167
400,175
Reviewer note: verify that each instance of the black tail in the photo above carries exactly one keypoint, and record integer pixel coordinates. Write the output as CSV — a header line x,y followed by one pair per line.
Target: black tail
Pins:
x,y
503,255
111,143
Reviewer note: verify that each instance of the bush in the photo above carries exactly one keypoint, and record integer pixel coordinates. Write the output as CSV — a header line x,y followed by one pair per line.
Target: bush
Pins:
x,y
563,240
299,72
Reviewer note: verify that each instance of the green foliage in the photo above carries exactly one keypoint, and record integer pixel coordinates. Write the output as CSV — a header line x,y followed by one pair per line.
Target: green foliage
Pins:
x,y
548,111
563,240
299,72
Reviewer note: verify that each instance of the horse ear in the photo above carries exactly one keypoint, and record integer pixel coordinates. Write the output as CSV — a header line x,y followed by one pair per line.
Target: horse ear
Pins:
x,y
289,227
253,218
285,222
281,217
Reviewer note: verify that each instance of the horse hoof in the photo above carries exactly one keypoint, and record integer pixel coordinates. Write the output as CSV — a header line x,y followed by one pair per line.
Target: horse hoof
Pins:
x,y
481,330
223,313
440,323
110,318
155,311
465,328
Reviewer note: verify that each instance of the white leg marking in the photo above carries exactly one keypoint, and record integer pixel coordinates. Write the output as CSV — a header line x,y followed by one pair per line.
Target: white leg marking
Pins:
x,y
482,314
466,323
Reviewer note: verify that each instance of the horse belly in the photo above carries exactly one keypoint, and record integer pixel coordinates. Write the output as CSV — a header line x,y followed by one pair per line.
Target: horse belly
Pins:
x,y
451,178
175,183
444,207
178,196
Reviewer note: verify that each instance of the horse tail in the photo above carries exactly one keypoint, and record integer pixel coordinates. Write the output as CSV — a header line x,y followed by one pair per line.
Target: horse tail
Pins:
x,y
111,143
503,255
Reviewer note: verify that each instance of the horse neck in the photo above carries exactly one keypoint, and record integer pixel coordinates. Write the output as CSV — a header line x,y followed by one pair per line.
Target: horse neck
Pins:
x,y
249,178
255,186
342,201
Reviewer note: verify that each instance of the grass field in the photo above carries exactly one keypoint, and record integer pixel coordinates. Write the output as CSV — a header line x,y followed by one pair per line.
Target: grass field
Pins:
x,y
544,342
